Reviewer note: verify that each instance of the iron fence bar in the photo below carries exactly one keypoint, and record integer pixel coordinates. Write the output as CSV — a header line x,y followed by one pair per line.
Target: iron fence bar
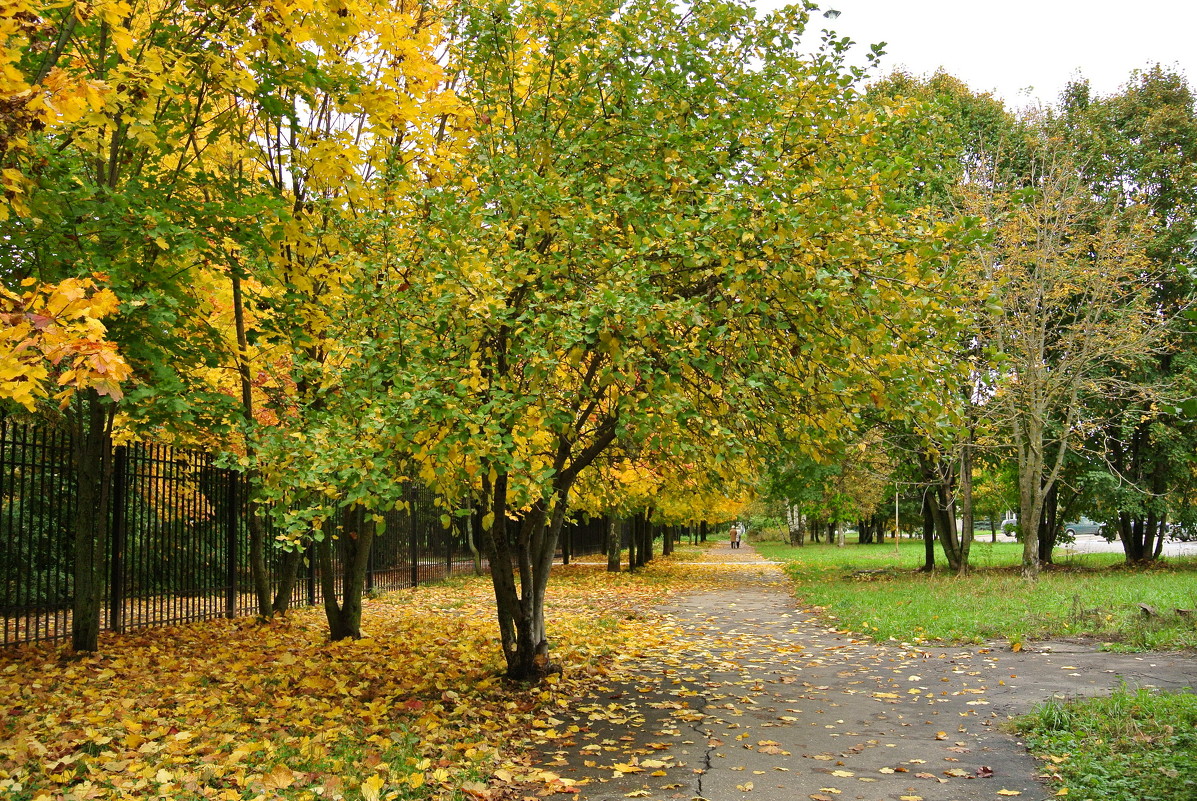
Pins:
x,y
230,544
116,575
411,535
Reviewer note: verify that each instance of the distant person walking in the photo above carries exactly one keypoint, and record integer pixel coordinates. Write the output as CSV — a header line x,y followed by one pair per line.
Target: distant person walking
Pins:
x,y
735,536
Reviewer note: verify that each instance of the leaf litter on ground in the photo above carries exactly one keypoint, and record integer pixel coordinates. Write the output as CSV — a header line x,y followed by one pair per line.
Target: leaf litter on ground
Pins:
x,y
237,709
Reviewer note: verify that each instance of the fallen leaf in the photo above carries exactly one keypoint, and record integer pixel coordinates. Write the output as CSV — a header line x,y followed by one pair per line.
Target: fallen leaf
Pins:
x,y
372,786
280,778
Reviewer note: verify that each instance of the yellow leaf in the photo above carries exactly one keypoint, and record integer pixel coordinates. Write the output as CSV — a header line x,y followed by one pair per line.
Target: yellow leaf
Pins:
x,y
280,778
1009,792
372,786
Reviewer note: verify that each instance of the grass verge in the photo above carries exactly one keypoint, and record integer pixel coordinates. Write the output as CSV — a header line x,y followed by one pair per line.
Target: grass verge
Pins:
x,y
1091,595
1131,746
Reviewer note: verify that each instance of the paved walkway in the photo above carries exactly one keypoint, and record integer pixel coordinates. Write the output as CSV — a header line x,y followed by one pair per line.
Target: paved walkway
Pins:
x,y
766,702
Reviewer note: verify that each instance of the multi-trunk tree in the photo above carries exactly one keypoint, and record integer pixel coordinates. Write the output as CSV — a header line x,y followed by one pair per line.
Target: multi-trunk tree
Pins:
x,y
1075,313
668,218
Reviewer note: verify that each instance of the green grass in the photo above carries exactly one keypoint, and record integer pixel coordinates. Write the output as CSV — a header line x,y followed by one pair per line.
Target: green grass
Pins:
x,y
1131,746
1090,595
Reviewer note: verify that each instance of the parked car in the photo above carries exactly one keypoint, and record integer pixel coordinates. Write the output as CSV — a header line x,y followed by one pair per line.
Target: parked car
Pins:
x,y
1082,526
1181,533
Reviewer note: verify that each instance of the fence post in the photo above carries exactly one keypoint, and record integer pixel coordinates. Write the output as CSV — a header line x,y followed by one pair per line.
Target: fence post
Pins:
x,y
116,562
411,535
311,560
447,533
231,517
370,565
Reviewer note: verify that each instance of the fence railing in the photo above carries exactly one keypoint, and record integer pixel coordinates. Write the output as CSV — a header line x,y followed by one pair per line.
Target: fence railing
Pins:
x,y
178,544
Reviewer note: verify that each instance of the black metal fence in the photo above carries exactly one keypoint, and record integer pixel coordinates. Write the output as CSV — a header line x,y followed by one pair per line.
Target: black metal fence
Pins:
x,y
177,548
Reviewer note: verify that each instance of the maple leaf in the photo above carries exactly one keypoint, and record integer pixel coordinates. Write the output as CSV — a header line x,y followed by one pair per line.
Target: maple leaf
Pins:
x,y
372,786
279,778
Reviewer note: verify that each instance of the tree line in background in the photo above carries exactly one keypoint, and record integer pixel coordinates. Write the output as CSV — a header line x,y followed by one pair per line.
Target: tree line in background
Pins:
x,y
1074,387
604,258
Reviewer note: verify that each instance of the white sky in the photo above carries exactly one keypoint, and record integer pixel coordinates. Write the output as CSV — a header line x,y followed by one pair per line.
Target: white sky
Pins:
x,y
1024,51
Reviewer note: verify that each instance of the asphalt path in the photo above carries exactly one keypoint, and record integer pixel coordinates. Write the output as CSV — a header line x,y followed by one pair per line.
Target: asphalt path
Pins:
x,y
763,699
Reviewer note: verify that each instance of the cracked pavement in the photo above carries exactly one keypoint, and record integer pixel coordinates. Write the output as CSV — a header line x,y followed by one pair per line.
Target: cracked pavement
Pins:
x,y
764,700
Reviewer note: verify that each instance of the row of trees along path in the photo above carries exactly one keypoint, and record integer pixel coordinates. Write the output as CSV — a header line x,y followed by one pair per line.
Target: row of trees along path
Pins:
x,y
757,696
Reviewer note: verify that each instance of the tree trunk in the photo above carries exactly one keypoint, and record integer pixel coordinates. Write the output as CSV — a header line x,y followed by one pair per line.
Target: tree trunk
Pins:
x,y
257,535
613,545
288,573
649,535
1049,525
353,544
521,611
967,527
928,532
633,543
91,423
565,547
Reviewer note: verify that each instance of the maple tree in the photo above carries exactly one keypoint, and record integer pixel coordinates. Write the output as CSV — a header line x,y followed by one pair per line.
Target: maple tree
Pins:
x,y
335,151
112,105
54,339
210,159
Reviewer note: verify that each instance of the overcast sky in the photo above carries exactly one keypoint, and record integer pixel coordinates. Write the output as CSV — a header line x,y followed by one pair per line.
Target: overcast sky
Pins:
x,y
1024,51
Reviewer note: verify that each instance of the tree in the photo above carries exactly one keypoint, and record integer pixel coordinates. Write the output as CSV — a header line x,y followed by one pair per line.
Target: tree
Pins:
x,y
1074,289
332,147
672,229
1138,150
114,106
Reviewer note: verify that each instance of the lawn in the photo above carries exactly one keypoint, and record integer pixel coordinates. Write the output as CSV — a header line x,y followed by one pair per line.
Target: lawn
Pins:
x,y
1131,746
1090,595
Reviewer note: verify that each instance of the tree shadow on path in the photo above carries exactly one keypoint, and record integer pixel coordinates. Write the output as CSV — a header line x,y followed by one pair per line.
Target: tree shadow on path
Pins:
x,y
757,697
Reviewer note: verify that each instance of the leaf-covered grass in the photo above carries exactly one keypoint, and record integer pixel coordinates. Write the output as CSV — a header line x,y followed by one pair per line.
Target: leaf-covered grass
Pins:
x,y
1092,595
240,710
1130,746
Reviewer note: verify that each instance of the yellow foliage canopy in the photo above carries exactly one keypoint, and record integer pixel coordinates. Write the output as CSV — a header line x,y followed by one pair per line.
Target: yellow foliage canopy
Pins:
x,y
51,335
